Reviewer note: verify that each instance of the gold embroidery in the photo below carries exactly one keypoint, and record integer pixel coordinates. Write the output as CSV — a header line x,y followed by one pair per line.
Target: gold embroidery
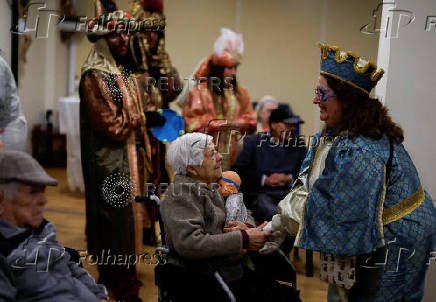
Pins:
x,y
377,75
231,99
339,58
380,207
404,207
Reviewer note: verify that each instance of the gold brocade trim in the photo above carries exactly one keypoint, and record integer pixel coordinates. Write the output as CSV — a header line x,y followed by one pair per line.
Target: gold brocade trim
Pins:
x,y
380,207
218,106
147,167
404,207
339,58
134,94
376,76
231,101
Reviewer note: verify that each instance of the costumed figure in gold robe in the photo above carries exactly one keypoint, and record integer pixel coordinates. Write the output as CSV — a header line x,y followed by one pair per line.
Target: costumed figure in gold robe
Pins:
x,y
218,104
116,151
160,77
160,80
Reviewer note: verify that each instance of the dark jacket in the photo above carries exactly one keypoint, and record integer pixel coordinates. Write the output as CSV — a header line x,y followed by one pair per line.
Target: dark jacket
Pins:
x,y
35,267
260,156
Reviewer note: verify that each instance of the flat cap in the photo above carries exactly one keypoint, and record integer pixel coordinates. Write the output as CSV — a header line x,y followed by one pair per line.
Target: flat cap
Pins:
x,y
21,167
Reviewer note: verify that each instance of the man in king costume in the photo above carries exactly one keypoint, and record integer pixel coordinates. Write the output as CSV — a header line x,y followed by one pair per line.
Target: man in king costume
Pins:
x,y
152,60
159,79
218,104
116,151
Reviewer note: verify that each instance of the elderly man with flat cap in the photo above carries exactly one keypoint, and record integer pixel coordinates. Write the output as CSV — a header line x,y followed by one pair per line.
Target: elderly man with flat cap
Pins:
x,y
33,265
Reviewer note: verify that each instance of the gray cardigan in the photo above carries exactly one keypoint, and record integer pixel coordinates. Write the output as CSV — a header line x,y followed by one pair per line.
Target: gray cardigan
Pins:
x,y
194,216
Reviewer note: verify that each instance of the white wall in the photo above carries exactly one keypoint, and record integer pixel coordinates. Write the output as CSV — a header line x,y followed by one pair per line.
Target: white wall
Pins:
x,y
280,55
5,34
43,78
410,93
411,87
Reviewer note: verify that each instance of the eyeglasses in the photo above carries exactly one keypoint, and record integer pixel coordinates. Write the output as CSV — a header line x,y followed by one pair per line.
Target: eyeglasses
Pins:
x,y
323,96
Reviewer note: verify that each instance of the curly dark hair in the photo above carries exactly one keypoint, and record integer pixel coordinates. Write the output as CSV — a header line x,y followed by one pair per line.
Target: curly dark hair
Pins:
x,y
363,115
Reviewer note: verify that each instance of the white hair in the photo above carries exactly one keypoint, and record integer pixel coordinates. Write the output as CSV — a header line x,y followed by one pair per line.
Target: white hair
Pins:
x,y
9,189
266,99
187,150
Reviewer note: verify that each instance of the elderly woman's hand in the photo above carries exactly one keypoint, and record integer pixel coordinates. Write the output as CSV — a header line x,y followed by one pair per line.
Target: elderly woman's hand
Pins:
x,y
257,237
235,226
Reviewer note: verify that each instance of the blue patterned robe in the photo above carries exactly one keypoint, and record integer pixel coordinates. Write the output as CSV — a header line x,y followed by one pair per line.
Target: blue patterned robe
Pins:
x,y
347,213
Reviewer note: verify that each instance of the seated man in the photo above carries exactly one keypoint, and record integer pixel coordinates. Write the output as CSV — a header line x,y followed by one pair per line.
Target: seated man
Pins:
x,y
268,164
33,265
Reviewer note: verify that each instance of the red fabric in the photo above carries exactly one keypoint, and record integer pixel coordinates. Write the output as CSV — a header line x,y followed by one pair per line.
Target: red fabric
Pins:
x,y
153,6
204,69
199,111
245,239
226,59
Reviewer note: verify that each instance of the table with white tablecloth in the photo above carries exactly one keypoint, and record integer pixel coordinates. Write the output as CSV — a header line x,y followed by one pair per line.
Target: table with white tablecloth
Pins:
x,y
69,124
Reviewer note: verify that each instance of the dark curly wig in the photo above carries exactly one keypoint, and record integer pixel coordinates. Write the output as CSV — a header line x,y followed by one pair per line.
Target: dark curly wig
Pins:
x,y
363,115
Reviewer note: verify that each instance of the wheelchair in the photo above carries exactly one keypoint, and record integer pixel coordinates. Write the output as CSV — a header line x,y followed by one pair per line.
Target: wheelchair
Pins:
x,y
276,266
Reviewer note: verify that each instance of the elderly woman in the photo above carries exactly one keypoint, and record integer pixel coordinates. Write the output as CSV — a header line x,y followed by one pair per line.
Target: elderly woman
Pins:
x,y
193,213
358,199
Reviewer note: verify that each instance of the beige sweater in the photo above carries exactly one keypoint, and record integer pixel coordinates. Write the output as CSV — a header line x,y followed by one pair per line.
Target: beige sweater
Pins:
x,y
194,217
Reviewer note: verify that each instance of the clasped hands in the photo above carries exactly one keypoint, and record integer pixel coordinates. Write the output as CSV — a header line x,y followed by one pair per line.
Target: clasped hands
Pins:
x,y
263,238
257,236
277,180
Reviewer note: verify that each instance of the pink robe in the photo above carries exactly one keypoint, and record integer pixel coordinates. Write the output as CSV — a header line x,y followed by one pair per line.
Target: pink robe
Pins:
x,y
202,107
